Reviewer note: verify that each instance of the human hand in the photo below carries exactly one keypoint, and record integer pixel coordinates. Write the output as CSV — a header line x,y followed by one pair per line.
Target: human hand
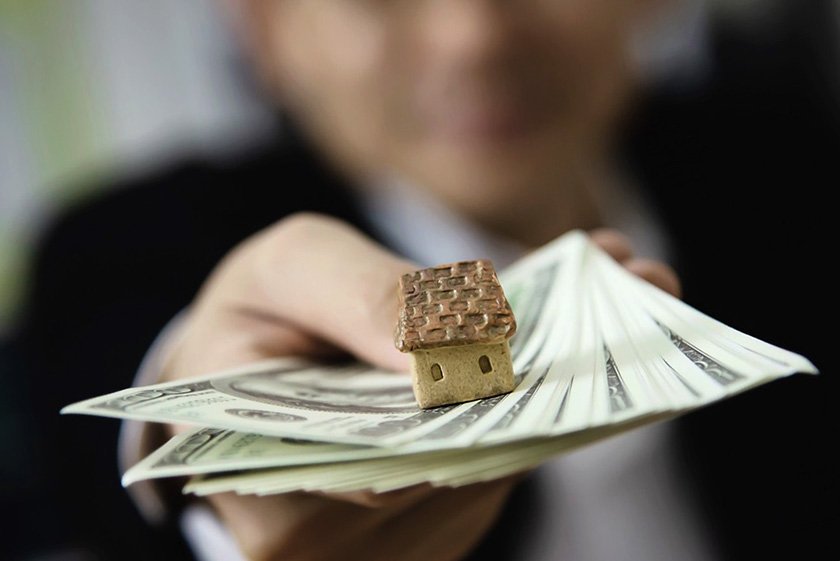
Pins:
x,y
313,286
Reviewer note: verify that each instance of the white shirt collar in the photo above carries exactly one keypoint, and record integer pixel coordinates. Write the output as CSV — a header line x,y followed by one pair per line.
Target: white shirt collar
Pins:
x,y
421,228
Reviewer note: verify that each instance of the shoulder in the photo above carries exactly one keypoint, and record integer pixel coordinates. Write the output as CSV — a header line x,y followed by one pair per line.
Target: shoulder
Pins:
x,y
191,211
142,247
195,198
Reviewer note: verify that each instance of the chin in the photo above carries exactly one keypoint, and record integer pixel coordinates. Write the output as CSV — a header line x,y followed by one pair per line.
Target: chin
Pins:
x,y
488,180
490,194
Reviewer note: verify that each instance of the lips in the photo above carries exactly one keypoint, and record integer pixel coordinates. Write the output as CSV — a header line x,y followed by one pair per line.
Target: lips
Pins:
x,y
486,113
482,122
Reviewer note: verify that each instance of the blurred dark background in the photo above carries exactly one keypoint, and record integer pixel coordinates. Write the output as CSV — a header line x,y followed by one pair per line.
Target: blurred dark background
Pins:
x,y
737,138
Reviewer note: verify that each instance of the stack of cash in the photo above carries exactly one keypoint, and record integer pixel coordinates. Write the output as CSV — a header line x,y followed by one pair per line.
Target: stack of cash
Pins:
x,y
597,352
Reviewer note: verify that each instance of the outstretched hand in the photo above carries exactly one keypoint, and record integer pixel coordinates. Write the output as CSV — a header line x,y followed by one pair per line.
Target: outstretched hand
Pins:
x,y
313,286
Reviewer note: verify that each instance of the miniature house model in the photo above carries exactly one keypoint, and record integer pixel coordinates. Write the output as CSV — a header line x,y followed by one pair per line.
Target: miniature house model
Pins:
x,y
455,321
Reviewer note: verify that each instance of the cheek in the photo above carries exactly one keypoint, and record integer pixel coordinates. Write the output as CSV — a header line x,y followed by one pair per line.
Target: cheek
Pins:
x,y
352,45
586,62
332,62
608,78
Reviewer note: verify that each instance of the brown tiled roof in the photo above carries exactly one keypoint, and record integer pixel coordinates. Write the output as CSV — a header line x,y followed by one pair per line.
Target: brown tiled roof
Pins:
x,y
453,304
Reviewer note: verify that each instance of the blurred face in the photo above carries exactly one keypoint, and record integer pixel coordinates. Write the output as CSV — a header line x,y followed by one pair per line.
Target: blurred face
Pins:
x,y
493,105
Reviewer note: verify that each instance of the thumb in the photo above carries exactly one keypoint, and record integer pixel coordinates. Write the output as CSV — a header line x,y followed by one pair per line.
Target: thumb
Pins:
x,y
326,279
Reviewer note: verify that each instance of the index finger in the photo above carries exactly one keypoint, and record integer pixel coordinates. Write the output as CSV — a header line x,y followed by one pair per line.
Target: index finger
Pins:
x,y
324,277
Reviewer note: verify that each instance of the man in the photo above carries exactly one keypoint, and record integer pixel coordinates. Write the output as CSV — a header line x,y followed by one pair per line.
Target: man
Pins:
x,y
491,120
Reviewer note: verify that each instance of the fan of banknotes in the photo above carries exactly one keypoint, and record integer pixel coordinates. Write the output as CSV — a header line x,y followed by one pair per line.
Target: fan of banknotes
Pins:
x,y
597,352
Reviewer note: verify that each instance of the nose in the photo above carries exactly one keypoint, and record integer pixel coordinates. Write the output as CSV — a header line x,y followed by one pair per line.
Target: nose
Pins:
x,y
469,30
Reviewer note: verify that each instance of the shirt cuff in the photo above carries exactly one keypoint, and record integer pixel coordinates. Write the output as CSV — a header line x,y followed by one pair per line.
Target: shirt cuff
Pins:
x,y
137,438
209,539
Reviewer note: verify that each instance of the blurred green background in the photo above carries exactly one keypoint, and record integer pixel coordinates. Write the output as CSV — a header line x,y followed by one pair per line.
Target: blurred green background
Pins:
x,y
48,134
91,89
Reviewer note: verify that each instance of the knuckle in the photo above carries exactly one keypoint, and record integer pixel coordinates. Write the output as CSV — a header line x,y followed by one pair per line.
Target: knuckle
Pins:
x,y
302,225
300,234
287,243
614,242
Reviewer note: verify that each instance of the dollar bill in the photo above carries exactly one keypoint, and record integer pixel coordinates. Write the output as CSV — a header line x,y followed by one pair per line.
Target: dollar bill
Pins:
x,y
598,352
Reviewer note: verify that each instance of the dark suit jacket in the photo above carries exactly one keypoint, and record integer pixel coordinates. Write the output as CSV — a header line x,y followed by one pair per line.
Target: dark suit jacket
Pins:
x,y
738,172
